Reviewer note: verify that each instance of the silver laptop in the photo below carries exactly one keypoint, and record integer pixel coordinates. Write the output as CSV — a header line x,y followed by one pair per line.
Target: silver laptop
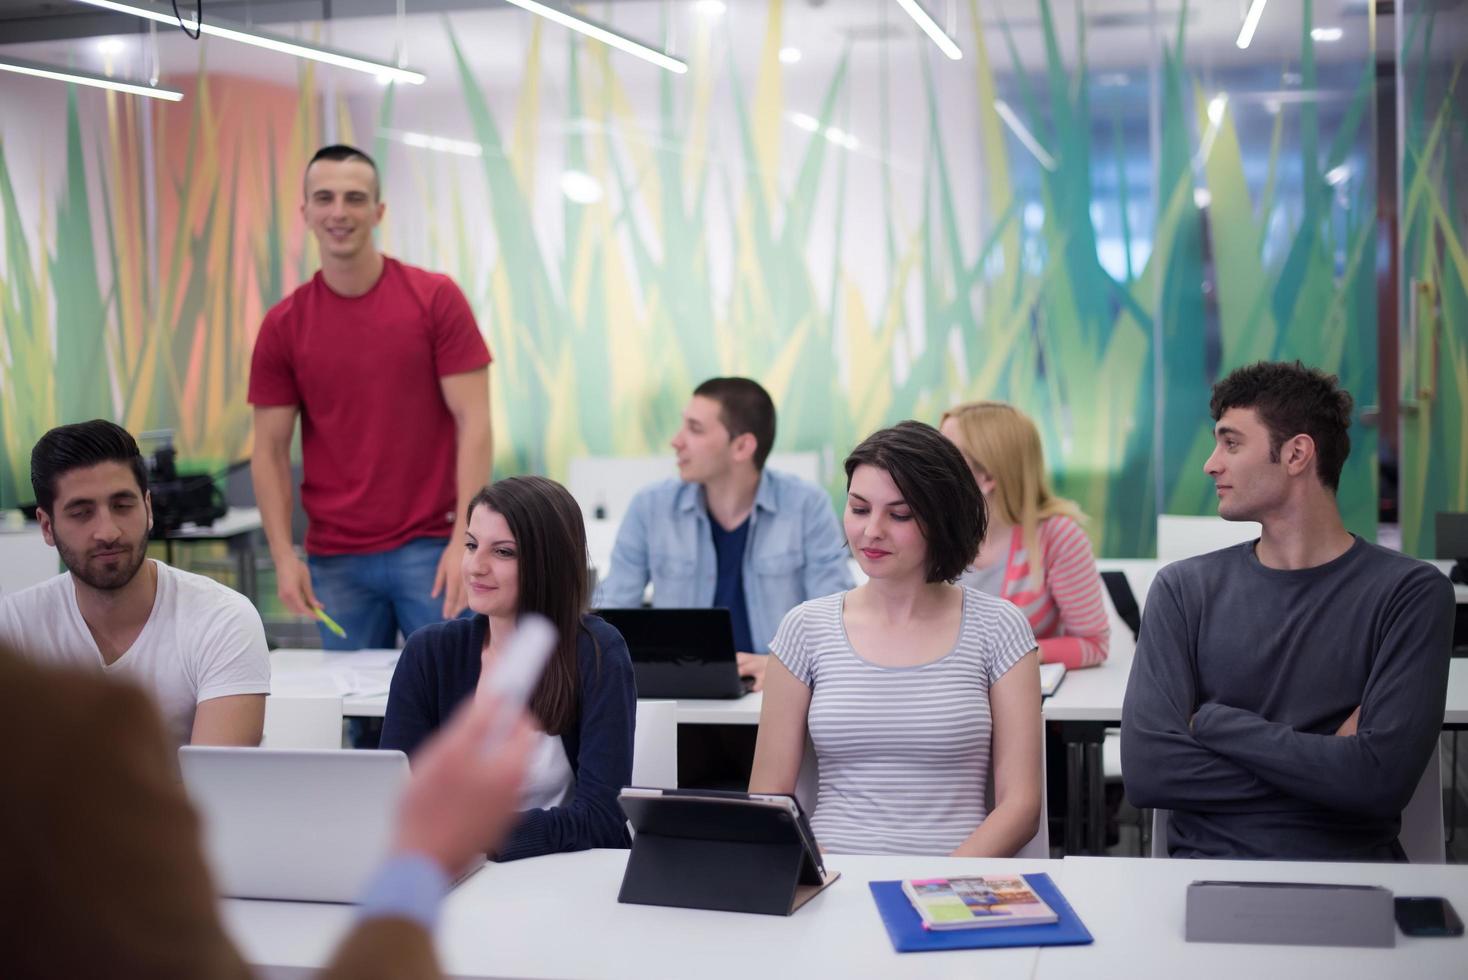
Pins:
x,y
294,824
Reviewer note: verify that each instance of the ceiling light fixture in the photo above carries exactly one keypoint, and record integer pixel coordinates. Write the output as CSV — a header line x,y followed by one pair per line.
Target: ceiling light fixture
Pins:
x,y
930,27
1327,35
272,42
565,18
37,70
1251,23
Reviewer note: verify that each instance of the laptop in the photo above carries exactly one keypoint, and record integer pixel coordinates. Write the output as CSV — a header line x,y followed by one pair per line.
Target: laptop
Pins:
x,y
680,653
294,824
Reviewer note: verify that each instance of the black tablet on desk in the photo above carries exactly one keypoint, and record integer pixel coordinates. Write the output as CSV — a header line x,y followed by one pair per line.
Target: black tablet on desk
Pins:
x,y
733,852
680,653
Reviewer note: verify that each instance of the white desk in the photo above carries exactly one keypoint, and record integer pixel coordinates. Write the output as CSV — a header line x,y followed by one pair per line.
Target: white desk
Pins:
x,y
361,679
1134,908
558,917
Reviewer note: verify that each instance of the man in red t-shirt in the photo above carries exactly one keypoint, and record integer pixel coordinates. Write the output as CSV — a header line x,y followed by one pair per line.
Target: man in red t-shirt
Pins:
x,y
386,368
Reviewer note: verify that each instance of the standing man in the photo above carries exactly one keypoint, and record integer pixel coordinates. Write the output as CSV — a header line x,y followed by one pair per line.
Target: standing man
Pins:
x,y
386,368
197,647
1286,692
728,532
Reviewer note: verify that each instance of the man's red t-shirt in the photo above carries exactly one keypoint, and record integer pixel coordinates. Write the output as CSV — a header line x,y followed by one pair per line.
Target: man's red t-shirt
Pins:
x,y
377,439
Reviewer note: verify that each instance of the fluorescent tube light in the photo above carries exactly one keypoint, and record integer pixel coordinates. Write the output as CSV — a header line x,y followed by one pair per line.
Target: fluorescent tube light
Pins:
x,y
87,78
565,18
930,27
272,42
1327,35
1251,23
1023,134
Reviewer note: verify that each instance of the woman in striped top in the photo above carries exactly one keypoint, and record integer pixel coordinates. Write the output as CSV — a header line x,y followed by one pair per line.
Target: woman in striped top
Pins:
x,y
914,691
1035,554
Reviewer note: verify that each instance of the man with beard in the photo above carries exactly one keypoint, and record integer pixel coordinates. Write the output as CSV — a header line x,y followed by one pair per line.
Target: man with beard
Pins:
x,y
196,646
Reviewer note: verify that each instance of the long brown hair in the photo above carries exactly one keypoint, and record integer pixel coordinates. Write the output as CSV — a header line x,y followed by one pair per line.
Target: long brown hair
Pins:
x,y
550,544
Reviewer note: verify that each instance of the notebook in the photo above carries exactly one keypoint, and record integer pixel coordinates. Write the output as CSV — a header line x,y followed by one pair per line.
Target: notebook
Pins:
x,y
905,926
1050,677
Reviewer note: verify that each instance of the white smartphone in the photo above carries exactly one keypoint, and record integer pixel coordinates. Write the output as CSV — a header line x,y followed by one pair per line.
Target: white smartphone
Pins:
x,y
513,677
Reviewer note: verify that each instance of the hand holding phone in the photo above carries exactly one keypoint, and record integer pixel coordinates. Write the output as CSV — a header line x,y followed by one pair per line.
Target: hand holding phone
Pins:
x,y
513,677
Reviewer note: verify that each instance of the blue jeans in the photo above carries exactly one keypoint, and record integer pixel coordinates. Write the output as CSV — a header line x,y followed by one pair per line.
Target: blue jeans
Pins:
x,y
375,596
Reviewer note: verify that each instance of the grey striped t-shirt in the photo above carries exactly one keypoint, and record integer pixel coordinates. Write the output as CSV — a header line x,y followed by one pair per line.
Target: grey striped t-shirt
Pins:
x,y
903,751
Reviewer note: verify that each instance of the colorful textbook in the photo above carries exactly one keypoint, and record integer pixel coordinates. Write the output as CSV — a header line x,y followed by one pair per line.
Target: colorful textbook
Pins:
x,y
977,902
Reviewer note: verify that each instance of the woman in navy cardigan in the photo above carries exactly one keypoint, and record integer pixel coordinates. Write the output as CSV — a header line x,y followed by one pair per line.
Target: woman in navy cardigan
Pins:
x,y
525,551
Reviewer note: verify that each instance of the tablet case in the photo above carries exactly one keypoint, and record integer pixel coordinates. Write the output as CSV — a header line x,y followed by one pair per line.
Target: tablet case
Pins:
x,y
728,854
905,926
1292,913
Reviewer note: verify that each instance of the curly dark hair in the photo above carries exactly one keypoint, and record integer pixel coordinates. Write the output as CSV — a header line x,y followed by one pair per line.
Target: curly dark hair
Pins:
x,y
1292,399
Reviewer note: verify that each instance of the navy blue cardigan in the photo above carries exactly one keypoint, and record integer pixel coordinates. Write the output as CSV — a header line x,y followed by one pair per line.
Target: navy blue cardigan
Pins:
x,y
439,668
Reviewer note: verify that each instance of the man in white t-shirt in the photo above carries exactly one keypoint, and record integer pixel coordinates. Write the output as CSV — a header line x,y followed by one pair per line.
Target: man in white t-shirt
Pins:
x,y
195,645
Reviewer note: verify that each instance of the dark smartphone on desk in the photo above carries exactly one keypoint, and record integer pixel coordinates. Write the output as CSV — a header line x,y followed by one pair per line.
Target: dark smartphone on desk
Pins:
x,y
1427,917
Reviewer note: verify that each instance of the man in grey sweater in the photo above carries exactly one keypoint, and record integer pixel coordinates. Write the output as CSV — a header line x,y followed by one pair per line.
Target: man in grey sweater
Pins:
x,y
1286,693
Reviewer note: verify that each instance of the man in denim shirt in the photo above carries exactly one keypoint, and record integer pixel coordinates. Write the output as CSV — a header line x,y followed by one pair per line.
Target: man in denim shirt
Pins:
x,y
729,533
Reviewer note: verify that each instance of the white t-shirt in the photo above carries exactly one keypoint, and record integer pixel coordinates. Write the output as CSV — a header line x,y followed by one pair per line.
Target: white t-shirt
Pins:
x,y
548,777
201,641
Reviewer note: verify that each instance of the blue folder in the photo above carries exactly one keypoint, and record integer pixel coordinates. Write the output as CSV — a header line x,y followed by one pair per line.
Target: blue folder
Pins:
x,y
905,926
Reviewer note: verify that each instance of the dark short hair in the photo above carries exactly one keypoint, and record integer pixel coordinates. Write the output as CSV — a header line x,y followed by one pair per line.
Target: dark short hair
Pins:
x,y
937,485
550,547
340,152
744,406
79,445
1292,399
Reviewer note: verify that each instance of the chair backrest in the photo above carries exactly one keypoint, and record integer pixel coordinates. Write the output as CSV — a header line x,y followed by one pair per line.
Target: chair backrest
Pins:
x,y
302,723
1422,830
1422,833
655,745
1180,536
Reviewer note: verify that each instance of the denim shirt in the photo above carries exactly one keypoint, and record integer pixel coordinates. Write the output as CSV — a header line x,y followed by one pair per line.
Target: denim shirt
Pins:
x,y
795,551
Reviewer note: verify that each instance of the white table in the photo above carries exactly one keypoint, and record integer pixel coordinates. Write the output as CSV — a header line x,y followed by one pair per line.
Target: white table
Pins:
x,y
558,917
1134,908
361,679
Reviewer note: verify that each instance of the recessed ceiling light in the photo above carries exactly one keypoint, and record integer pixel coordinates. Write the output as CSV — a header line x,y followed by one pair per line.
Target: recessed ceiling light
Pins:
x,y
808,123
582,188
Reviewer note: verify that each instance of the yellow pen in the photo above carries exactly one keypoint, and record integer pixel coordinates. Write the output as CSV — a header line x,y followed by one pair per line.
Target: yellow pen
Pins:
x,y
331,624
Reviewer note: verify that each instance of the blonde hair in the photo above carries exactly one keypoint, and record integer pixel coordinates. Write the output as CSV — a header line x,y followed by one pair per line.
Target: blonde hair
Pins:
x,y
1003,443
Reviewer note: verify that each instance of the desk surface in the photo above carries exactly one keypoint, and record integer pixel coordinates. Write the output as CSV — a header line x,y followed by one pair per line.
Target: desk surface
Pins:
x,y
236,521
558,916
513,920
1096,693
361,679
1135,909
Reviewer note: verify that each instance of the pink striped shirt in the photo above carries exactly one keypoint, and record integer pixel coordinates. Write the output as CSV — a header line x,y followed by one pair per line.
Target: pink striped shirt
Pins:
x,y
1066,613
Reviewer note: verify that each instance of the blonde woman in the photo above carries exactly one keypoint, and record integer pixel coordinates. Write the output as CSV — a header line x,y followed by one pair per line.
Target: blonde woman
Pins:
x,y
1035,554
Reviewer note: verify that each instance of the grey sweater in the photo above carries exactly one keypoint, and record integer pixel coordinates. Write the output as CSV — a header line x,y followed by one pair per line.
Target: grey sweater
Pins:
x,y
1268,664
